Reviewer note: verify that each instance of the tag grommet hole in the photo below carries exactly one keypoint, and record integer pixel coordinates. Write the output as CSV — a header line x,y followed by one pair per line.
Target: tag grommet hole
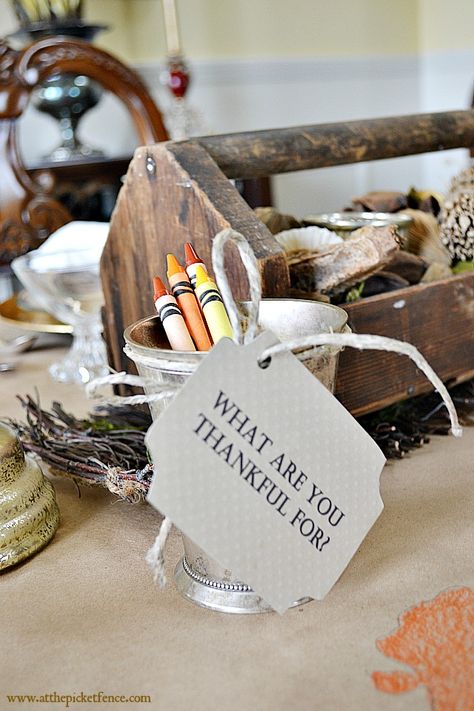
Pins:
x,y
263,364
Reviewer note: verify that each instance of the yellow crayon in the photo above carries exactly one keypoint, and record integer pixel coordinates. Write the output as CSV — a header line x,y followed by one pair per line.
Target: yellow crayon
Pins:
x,y
212,306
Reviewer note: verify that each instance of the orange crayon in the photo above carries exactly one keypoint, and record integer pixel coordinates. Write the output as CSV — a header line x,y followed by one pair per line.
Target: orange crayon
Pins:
x,y
192,262
183,292
171,318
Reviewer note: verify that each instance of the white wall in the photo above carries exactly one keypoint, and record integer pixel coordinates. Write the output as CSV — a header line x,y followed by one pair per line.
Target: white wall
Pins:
x,y
225,29
447,81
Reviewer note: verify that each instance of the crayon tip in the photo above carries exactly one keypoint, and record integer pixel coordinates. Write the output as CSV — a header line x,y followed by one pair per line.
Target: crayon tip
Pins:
x,y
201,276
173,266
191,255
159,287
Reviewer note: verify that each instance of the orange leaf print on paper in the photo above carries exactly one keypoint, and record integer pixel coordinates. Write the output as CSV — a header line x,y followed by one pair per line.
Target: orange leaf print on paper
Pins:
x,y
435,638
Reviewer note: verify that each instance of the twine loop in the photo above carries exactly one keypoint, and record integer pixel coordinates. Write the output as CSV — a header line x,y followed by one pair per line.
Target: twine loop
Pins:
x,y
254,279
161,392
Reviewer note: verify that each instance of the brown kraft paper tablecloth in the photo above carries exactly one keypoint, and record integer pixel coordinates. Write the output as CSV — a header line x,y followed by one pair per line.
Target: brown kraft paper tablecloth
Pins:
x,y
84,615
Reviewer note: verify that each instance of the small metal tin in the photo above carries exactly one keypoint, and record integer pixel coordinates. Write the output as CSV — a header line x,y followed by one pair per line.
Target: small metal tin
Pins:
x,y
345,222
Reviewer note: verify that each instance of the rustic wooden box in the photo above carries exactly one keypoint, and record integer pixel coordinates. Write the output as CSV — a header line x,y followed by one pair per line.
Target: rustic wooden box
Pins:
x,y
179,191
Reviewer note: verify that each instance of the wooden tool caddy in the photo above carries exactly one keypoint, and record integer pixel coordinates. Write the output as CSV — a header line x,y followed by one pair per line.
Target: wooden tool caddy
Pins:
x,y
176,192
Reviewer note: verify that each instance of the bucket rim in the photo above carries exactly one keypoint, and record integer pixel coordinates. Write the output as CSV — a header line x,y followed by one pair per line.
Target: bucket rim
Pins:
x,y
193,356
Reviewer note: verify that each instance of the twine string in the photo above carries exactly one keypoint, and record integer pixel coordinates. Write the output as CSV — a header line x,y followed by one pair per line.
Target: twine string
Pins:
x,y
94,387
155,556
162,392
369,342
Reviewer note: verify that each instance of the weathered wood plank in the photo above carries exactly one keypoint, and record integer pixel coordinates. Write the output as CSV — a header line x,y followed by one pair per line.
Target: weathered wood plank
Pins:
x,y
438,318
173,195
254,154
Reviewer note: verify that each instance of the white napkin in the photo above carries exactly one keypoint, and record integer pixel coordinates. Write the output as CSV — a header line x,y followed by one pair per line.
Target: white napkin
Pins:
x,y
78,234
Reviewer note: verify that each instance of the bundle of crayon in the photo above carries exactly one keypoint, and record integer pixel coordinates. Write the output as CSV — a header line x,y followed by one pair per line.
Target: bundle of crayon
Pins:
x,y
192,311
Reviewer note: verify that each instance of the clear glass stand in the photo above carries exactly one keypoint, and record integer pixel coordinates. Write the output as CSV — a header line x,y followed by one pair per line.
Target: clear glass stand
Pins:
x,y
86,359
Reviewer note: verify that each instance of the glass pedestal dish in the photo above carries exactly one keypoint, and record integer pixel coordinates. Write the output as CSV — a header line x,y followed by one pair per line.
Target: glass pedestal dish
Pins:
x,y
67,285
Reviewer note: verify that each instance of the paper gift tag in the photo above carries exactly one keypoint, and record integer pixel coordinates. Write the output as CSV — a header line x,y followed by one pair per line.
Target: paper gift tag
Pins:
x,y
266,471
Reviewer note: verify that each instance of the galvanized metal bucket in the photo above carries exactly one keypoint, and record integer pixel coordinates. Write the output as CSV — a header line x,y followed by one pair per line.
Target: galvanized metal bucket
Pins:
x,y
198,577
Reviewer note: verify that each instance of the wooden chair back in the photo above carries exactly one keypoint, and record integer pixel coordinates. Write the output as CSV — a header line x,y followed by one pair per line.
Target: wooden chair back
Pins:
x,y
28,213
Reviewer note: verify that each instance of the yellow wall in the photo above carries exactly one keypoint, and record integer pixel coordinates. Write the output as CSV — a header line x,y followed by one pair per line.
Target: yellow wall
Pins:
x,y
445,25
217,29
8,21
115,13
264,28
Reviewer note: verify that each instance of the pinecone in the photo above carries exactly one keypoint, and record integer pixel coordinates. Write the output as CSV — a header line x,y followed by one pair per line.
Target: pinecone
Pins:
x,y
464,181
457,225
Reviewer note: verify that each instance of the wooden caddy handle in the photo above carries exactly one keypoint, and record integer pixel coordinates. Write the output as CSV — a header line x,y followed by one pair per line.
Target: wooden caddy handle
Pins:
x,y
256,154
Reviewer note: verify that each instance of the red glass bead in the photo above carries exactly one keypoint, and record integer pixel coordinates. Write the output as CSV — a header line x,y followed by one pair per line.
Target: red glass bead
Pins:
x,y
178,78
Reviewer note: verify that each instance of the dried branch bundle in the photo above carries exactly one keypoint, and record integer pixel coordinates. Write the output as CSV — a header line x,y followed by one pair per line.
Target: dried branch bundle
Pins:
x,y
106,449
408,424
